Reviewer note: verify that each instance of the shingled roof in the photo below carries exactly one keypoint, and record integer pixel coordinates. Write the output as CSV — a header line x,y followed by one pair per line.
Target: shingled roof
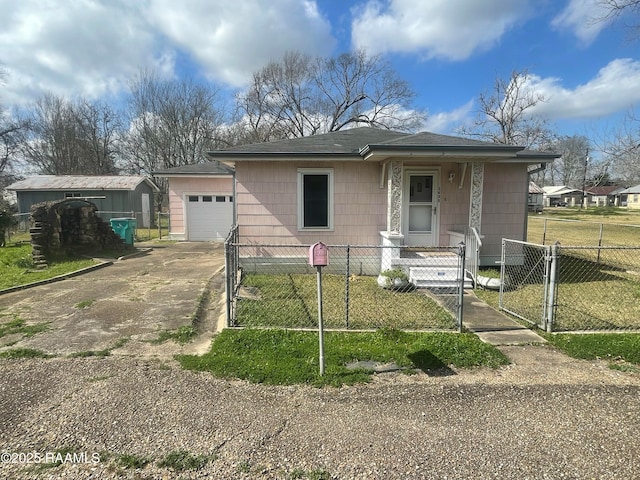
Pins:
x,y
80,182
358,142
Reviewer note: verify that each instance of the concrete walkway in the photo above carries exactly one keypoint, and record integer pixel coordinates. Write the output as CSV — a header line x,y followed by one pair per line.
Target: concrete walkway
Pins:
x,y
495,327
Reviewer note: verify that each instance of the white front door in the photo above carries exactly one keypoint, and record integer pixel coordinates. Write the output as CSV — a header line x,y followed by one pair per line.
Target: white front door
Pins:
x,y
420,207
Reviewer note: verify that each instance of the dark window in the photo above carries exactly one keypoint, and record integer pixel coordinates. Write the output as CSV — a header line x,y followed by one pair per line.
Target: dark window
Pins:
x,y
71,194
220,199
230,199
315,193
193,198
207,198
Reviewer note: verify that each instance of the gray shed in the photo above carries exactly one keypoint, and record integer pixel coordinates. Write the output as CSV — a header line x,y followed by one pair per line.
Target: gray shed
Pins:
x,y
115,196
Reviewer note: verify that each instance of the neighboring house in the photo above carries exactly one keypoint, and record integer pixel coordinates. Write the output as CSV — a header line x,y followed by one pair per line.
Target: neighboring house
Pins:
x,y
368,186
201,201
536,198
116,195
561,194
619,197
631,196
603,196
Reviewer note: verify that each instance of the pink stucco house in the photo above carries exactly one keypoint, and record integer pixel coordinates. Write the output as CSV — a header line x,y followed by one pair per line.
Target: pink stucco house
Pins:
x,y
363,186
367,186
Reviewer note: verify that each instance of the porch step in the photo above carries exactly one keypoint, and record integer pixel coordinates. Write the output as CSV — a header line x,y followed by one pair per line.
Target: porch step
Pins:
x,y
437,276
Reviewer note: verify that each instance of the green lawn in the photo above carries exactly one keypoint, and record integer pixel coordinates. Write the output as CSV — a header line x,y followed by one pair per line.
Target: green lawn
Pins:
x,y
286,357
16,267
292,301
573,226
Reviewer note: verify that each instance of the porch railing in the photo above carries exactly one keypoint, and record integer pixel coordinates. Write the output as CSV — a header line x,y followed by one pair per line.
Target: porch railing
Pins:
x,y
474,244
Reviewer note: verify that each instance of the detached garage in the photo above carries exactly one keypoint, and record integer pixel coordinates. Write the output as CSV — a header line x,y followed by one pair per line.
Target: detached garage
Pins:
x,y
201,201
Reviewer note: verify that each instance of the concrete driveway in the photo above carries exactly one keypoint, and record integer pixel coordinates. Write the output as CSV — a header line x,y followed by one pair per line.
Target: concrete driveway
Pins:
x,y
125,305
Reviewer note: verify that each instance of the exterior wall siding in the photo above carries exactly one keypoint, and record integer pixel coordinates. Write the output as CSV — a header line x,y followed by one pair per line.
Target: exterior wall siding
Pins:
x,y
267,206
266,194
179,186
504,206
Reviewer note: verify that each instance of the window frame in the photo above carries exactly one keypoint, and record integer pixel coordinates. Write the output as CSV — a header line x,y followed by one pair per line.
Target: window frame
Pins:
x,y
302,172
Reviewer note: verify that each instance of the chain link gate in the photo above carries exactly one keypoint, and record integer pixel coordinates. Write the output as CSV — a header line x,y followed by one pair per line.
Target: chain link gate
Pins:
x,y
573,288
527,282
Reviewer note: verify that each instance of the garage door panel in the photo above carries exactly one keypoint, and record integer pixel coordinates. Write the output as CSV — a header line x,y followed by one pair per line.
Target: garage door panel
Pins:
x,y
209,217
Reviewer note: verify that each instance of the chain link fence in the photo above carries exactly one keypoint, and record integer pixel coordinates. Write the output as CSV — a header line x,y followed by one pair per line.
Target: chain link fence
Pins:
x,y
274,286
576,288
547,231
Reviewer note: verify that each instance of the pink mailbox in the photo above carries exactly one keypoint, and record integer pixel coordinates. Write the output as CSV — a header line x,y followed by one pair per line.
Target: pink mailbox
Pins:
x,y
318,255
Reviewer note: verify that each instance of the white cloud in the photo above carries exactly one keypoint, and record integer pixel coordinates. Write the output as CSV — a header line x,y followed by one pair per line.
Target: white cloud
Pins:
x,y
450,29
232,39
614,89
71,48
95,47
448,122
584,18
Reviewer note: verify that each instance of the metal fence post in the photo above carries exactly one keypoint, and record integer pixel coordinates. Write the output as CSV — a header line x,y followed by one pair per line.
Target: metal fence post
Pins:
x,y
551,297
347,275
600,241
461,260
544,231
227,286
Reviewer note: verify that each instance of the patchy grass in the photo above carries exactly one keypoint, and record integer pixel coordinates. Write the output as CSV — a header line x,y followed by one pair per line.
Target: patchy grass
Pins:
x,y
17,325
16,266
180,460
285,357
291,300
318,474
17,353
606,346
100,353
84,304
181,335
132,461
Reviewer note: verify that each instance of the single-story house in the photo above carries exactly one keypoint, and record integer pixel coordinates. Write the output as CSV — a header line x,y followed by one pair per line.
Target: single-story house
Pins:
x,y
555,194
603,196
201,201
114,195
630,196
369,186
536,198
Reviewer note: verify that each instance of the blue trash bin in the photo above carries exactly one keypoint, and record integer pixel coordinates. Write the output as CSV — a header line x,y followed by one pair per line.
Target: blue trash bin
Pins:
x,y
125,228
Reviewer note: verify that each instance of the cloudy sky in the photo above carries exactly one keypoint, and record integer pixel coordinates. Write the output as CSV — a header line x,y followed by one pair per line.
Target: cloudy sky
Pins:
x,y
449,50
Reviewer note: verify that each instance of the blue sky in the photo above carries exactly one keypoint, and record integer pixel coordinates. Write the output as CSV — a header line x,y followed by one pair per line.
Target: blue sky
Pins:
x,y
448,50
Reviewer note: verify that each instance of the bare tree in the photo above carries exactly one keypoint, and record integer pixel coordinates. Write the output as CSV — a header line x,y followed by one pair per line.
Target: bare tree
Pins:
x,y
65,138
172,123
616,9
623,151
572,168
301,95
10,130
505,115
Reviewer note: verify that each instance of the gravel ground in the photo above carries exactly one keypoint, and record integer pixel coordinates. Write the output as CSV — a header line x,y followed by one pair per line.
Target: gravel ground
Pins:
x,y
543,417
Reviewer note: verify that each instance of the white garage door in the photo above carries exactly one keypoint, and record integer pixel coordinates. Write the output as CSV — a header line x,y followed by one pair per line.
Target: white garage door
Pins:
x,y
209,217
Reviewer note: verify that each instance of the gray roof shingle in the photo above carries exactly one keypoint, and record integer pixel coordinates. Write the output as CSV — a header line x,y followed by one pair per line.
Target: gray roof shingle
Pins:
x,y
356,141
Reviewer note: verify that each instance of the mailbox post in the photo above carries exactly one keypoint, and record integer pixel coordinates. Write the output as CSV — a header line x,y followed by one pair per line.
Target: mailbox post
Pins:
x,y
319,257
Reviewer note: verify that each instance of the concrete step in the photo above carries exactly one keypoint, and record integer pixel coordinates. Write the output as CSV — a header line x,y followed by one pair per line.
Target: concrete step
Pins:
x,y
436,277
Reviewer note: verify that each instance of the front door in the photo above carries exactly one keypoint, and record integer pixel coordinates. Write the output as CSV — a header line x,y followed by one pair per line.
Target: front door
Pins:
x,y
420,208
